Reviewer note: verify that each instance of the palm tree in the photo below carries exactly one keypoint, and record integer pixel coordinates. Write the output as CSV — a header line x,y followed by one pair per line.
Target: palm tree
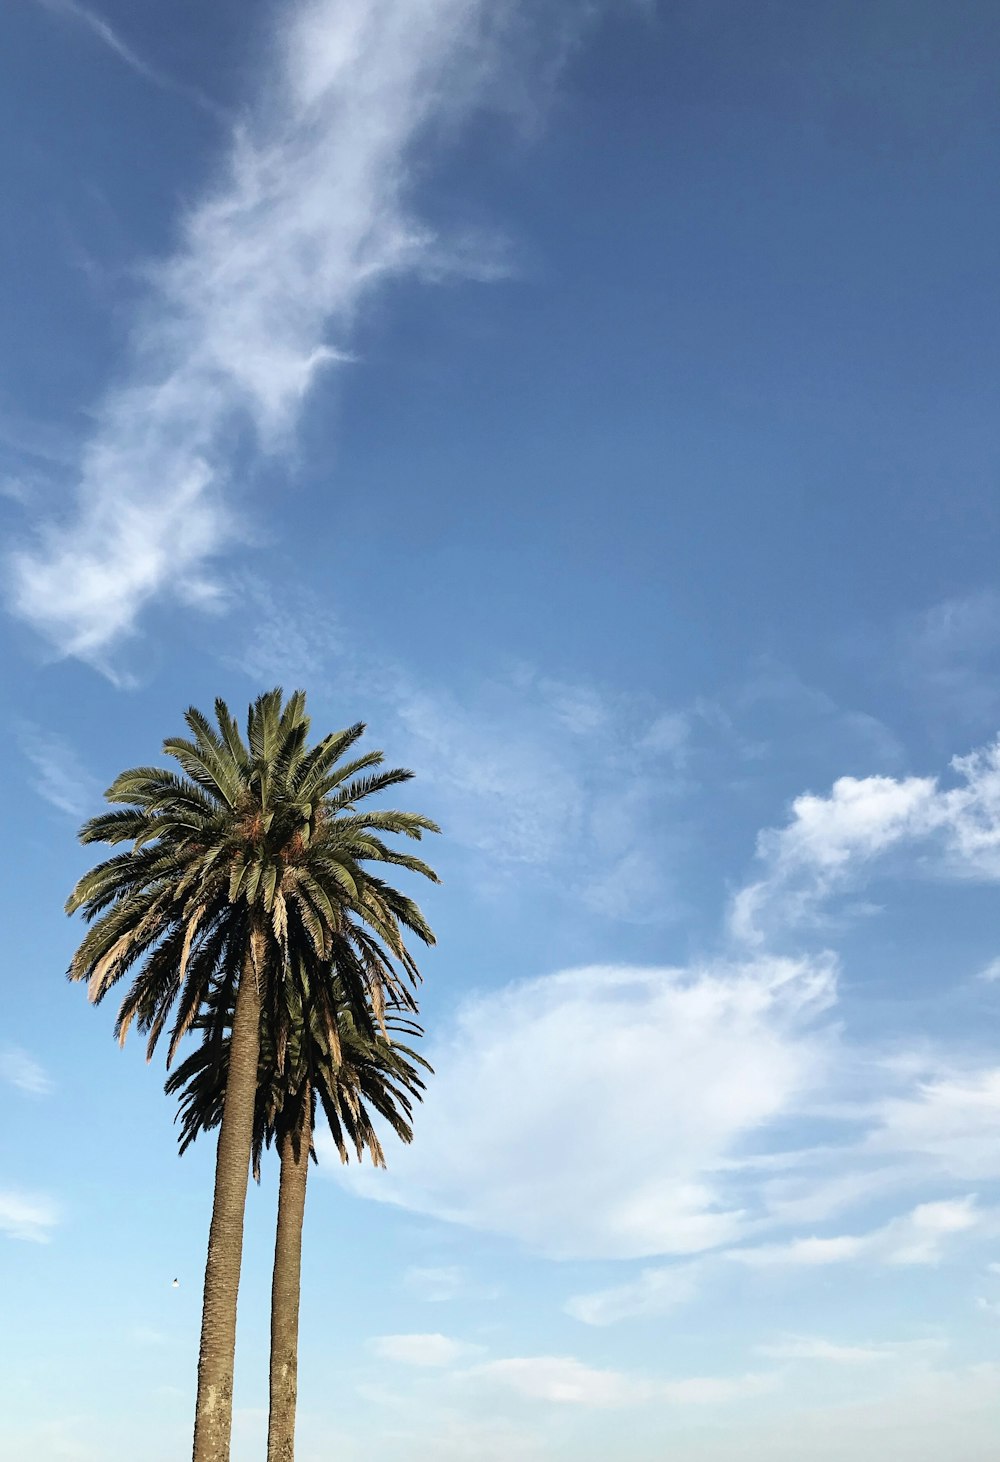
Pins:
x,y
249,864
370,1072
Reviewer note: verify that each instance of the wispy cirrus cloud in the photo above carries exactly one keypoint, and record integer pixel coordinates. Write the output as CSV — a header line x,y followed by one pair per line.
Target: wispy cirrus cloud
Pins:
x,y
438,1284
94,22
946,1122
540,776
21,1070
654,1292
836,1353
919,1237
310,211
433,1351
948,656
562,1380
59,775
28,1216
566,1381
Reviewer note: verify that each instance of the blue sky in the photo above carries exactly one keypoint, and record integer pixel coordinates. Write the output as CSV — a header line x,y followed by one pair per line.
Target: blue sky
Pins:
x,y
599,400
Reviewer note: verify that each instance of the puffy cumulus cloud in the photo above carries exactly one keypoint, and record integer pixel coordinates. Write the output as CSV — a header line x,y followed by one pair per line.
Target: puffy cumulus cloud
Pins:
x,y
829,843
563,1110
823,845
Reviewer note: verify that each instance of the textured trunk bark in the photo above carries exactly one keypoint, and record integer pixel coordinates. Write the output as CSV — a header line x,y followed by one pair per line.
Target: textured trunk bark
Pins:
x,y
214,1409
285,1288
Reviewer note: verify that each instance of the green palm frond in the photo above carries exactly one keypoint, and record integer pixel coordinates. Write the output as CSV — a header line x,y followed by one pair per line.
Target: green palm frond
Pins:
x,y
267,832
360,1076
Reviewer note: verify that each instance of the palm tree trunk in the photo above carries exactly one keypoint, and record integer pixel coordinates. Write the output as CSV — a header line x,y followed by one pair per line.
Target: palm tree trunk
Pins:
x,y
285,1285
214,1409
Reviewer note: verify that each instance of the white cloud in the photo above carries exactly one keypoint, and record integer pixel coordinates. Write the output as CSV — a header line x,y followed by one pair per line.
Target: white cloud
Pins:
x,y
963,627
98,26
308,214
830,842
548,776
655,1292
991,972
808,1192
781,717
532,772
717,1390
670,736
565,1381
512,797
60,776
814,1348
22,1070
919,1237
949,1123
28,1216
561,1112
434,1284
822,846
923,1415
540,777
811,1251
449,1436
949,655
433,1351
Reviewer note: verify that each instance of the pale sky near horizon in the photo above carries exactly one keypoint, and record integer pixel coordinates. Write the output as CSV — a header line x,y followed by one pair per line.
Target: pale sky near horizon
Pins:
x,y
598,399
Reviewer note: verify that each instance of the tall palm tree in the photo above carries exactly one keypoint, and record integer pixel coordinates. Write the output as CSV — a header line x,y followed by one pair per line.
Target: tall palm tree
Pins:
x,y
249,863
377,1073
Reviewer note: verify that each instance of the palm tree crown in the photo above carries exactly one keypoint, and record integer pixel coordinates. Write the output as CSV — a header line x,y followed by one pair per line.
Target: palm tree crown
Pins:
x,y
256,848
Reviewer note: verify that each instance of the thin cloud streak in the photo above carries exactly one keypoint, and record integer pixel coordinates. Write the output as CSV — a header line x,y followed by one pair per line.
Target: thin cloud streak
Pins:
x,y
22,1071
309,214
106,33
919,1237
59,776
566,1381
30,1217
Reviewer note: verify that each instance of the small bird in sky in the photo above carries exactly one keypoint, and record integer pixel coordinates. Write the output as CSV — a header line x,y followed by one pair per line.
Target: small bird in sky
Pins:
x,y
176,1284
